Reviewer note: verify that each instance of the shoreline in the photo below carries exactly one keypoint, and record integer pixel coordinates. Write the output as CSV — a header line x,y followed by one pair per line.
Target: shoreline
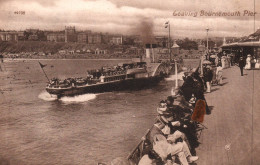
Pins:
x,y
10,59
47,59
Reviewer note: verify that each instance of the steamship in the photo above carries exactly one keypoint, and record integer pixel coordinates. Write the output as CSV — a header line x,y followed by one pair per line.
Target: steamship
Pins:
x,y
140,73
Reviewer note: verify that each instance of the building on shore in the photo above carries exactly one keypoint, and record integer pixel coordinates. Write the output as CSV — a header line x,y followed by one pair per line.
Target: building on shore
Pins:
x,y
201,47
245,48
70,34
175,48
8,36
161,41
117,40
33,37
32,31
82,37
94,38
255,36
56,37
101,51
105,38
134,51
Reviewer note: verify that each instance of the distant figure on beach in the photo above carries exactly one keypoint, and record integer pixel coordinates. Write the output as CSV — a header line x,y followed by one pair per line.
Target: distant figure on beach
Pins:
x,y
241,65
248,62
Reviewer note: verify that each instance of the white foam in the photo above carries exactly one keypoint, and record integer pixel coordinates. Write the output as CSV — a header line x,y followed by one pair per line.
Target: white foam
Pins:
x,y
173,77
79,98
74,99
46,96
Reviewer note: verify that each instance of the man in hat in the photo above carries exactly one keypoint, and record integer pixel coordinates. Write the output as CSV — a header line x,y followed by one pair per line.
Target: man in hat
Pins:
x,y
241,65
198,90
178,120
182,108
208,75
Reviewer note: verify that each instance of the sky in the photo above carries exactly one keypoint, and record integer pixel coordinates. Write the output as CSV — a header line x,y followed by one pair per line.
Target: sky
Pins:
x,y
129,16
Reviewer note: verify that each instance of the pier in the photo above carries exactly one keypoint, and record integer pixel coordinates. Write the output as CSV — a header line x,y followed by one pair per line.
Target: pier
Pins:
x,y
232,137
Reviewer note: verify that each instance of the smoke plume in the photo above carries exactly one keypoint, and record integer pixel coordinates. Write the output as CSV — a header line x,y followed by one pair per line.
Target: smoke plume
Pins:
x,y
145,30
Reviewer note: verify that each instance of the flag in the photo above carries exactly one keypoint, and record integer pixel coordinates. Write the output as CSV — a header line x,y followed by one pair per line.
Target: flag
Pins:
x,y
166,24
42,66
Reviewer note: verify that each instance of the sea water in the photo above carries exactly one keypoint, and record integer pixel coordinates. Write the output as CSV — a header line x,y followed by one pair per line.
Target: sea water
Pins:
x,y
38,128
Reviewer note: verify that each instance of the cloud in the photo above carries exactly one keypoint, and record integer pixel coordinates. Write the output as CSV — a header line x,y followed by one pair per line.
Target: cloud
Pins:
x,y
116,16
45,3
190,5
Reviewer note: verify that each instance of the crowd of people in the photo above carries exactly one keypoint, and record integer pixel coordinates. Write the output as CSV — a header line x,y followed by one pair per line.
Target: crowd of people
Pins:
x,y
93,76
173,137
248,63
70,82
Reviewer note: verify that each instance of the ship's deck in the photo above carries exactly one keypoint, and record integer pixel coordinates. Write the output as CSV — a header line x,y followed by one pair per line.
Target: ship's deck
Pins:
x,y
232,137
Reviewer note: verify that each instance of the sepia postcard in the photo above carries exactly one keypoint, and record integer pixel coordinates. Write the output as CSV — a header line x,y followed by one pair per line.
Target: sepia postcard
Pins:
x,y
129,82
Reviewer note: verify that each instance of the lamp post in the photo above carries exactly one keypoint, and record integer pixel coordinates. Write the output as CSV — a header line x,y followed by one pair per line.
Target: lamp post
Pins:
x,y
207,40
167,25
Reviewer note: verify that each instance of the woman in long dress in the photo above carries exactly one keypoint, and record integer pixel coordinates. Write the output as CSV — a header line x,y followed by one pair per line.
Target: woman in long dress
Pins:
x,y
223,61
248,62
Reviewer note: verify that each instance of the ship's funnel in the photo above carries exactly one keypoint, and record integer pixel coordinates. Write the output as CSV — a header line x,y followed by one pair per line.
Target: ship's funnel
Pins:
x,y
150,54
149,50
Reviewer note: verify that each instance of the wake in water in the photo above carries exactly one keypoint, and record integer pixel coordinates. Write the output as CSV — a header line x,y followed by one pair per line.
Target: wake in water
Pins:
x,y
173,77
74,99
47,97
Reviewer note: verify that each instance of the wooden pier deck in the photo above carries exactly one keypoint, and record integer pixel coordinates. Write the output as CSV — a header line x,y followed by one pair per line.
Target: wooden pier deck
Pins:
x,y
233,134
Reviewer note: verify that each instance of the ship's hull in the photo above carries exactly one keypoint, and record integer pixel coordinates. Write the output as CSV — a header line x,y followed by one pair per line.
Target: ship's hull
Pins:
x,y
127,84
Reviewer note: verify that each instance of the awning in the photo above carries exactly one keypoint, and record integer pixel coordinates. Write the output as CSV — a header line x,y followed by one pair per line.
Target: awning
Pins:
x,y
242,44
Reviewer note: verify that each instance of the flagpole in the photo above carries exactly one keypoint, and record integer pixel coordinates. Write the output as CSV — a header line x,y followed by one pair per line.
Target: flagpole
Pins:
x,y
44,73
169,41
176,74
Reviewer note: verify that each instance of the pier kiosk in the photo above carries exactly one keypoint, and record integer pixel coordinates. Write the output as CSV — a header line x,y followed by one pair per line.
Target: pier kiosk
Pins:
x,y
243,49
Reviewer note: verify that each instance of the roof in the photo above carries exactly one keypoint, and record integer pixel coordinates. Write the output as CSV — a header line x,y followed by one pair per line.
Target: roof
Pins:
x,y
175,46
242,44
257,33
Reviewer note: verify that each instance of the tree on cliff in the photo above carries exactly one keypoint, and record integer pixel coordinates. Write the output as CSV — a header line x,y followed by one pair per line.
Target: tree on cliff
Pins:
x,y
187,44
